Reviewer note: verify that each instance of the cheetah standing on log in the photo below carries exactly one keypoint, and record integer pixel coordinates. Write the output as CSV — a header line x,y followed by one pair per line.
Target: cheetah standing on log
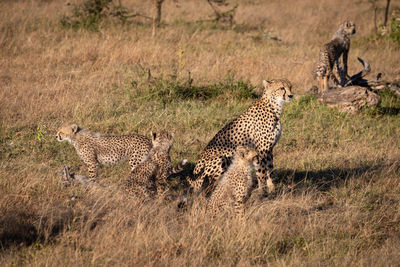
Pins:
x,y
259,126
95,149
330,54
236,182
149,178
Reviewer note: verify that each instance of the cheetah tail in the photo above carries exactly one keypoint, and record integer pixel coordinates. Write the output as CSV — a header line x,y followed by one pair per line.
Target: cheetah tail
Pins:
x,y
179,167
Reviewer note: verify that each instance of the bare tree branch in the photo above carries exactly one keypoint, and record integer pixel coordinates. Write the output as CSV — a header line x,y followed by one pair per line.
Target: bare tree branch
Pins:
x,y
365,71
386,12
157,15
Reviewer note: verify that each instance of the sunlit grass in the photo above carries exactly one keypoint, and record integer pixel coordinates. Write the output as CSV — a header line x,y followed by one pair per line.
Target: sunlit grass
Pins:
x,y
337,174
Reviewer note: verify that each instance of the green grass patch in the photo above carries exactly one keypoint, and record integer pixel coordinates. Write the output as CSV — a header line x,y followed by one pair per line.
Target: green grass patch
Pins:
x,y
168,90
390,105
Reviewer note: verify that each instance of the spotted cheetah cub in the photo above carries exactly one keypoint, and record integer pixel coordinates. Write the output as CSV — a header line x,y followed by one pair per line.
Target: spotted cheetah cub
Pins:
x,y
236,183
330,54
149,178
95,149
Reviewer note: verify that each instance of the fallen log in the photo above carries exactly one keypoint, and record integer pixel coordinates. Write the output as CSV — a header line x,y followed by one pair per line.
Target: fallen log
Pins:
x,y
350,99
357,91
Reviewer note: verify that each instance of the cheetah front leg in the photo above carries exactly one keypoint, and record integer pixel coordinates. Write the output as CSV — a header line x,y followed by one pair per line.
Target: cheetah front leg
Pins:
x,y
263,172
270,168
216,202
321,84
92,166
161,181
325,83
239,194
342,75
345,56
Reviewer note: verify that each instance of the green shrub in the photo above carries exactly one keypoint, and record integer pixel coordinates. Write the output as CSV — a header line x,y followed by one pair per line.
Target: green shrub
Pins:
x,y
168,90
394,33
89,14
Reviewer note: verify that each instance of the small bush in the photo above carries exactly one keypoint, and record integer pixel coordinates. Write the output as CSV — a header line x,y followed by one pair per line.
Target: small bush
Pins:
x,y
395,30
392,31
168,90
89,14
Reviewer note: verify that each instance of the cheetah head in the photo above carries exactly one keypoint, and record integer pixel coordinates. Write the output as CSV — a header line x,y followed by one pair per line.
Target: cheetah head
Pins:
x,y
248,154
279,90
67,132
348,27
162,140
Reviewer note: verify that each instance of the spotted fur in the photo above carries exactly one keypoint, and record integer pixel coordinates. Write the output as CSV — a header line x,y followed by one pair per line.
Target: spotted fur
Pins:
x,y
236,183
330,55
149,178
259,126
95,149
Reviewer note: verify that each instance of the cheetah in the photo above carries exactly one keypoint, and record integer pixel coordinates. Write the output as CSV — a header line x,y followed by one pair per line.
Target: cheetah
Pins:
x,y
95,149
236,182
146,179
149,178
330,54
259,126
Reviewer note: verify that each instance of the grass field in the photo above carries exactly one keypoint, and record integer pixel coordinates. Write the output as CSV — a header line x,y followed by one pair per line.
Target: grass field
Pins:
x,y
338,188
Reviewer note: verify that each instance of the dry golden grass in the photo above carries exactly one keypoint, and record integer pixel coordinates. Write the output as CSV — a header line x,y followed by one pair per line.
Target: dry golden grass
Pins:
x,y
338,183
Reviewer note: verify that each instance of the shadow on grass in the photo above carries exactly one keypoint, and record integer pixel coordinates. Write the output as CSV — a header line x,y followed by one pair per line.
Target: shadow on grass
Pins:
x,y
324,180
390,111
17,229
20,227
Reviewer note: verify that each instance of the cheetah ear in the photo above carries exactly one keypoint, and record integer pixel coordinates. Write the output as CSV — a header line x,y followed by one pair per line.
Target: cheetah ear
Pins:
x,y
241,151
171,135
349,23
256,158
74,128
266,83
153,135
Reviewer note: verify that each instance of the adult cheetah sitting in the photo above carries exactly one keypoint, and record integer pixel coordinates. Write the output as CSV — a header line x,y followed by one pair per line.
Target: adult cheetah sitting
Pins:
x,y
330,54
236,182
150,177
95,149
259,126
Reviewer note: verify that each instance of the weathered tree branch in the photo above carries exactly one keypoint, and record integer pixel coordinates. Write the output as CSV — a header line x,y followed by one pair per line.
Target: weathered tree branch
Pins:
x,y
365,71
157,15
374,85
386,12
